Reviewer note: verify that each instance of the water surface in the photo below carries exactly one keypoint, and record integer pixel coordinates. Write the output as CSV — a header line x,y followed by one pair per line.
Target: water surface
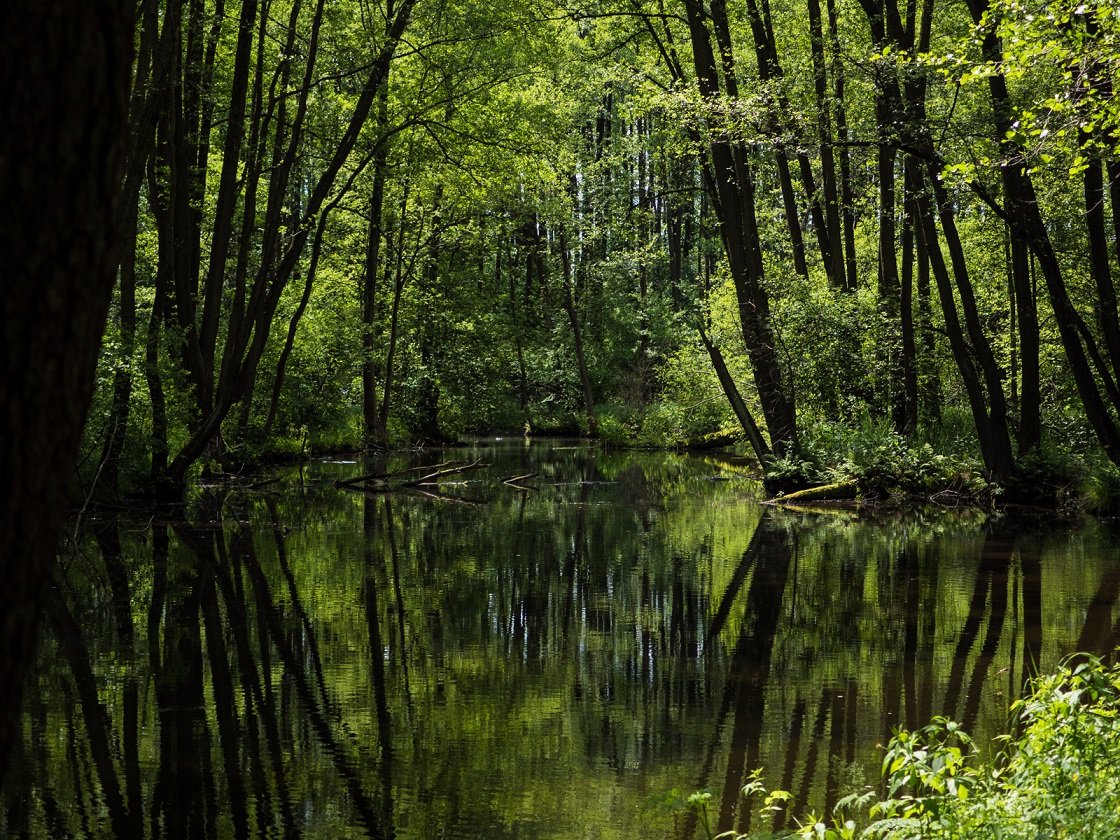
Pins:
x,y
535,659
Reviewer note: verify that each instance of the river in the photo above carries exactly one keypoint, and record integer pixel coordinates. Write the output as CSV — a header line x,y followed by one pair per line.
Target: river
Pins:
x,y
542,657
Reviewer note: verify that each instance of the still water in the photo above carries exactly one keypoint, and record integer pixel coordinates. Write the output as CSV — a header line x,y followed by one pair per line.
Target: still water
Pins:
x,y
537,658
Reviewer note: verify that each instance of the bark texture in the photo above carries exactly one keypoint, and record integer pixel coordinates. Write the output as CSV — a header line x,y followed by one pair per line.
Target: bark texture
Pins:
x,y
66,67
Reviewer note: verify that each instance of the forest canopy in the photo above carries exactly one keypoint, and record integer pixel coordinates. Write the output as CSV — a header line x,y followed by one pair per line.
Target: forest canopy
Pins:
x,y
807,227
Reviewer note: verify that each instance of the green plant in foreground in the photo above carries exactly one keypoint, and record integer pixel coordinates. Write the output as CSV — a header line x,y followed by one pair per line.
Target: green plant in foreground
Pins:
x,y
1057,776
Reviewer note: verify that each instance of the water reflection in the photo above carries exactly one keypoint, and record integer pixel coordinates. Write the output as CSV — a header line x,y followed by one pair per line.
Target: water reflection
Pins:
x,y
482,659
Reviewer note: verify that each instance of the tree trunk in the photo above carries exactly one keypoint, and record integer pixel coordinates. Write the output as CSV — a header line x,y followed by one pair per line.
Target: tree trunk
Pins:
x,y
731,391
907,420
730,183
847,193
394,321
834,267
985,395
373,433
427,398
62,154
569,305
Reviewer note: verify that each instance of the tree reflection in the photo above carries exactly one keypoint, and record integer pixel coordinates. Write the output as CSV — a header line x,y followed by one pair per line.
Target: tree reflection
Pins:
x,y
390,666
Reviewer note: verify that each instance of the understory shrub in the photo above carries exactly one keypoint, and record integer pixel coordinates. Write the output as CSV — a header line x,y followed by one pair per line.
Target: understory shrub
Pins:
x,y
1056,776
881,461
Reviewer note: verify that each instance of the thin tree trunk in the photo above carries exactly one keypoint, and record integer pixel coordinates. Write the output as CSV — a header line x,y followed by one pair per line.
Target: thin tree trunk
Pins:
x,y
569,305
847,193
394,323
738,405
907,421
427,402
373,433
1027,333
834,268
769,69
1099,261
122,378
995,444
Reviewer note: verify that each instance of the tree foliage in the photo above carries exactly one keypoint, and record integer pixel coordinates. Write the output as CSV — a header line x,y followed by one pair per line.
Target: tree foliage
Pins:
x,y
363,225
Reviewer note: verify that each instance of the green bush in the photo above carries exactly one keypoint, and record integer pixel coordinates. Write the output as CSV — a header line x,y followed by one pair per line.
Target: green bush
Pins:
x,y
1060,777
1102,489
612,428
1057,777
661,426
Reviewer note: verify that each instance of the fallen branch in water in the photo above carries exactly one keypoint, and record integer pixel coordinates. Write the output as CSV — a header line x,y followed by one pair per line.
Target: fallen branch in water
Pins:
x,y
455,468
385,477
825,492
514,481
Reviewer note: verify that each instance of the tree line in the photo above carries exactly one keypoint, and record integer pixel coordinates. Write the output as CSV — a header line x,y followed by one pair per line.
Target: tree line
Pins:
x,y
372,224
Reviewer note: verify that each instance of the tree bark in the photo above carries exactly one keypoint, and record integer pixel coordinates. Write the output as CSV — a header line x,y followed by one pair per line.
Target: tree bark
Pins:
x,y
62,152
731,186
569,305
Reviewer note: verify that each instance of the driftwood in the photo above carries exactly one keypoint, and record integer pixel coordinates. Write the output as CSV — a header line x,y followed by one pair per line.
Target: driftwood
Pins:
x,y
454,468
439,497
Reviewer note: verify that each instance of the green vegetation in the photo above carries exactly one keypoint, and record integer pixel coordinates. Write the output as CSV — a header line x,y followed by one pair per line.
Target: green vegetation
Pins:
x,y
1054,777
871,243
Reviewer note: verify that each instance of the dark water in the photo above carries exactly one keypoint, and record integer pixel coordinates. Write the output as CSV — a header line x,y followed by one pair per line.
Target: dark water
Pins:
x,y
480,660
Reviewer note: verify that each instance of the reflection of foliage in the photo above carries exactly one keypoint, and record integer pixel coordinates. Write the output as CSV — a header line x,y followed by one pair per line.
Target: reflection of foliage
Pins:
x,y
547,657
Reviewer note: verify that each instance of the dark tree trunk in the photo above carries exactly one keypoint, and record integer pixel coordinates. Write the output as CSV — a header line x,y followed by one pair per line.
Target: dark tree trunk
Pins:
x,y
1099,261
373,434
847,192
1027,332
768,68
122,379
907,419
149,80
735,399
159,444
834,266
569,304
62,152
731,186
969,345
427,398
400,277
